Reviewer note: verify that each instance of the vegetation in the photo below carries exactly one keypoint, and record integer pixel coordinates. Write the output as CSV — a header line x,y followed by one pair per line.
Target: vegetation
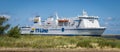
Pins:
x,y
3,25
14,32
84,43
33,41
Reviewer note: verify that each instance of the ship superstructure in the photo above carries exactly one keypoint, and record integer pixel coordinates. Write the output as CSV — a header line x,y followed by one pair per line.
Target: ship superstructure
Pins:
x,y
80,25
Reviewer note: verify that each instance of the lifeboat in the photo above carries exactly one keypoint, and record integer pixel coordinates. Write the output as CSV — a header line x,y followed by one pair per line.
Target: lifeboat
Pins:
x,y
64,20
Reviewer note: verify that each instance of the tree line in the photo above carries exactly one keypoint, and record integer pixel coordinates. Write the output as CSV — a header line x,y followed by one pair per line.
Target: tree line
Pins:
x,y
6,30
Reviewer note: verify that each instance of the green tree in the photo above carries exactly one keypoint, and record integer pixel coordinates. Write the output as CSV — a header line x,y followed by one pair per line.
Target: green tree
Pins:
x,y
3,25
14,32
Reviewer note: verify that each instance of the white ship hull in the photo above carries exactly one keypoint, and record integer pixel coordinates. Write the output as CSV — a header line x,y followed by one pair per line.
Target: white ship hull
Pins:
x,y
83,32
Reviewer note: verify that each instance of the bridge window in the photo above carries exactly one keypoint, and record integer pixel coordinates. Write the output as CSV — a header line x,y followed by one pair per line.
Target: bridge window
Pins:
x,y
91,20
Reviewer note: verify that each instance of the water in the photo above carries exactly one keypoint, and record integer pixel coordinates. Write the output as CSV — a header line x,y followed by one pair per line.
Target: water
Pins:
x,y
111,36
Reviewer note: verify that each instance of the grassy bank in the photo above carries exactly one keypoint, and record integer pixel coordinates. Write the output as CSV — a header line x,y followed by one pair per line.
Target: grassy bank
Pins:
x,y
34,41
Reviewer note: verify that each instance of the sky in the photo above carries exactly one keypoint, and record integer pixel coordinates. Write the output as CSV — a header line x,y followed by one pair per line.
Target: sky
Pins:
x,y
22,11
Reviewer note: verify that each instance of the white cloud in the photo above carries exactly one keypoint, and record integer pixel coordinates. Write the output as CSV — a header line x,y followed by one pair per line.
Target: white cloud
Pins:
x,y
7,16
30,19
109,18
106,23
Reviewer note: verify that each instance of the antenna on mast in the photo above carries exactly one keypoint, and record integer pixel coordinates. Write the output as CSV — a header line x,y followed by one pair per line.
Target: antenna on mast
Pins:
x,y
56,18
56,15
84,13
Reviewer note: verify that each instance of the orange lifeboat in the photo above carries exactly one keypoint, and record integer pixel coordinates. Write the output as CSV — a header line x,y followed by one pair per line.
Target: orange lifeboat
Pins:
x,y
63,20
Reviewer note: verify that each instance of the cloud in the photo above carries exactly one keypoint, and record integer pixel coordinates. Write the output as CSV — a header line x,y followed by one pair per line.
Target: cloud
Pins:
x,y
6,16
109,18
30,19
106,23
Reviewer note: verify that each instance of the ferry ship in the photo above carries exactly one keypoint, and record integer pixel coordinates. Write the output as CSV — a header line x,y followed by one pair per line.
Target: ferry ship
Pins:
x,y
81,25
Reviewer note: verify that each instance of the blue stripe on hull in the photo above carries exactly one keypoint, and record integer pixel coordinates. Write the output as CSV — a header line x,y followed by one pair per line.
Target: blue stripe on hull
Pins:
x,y
81,29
